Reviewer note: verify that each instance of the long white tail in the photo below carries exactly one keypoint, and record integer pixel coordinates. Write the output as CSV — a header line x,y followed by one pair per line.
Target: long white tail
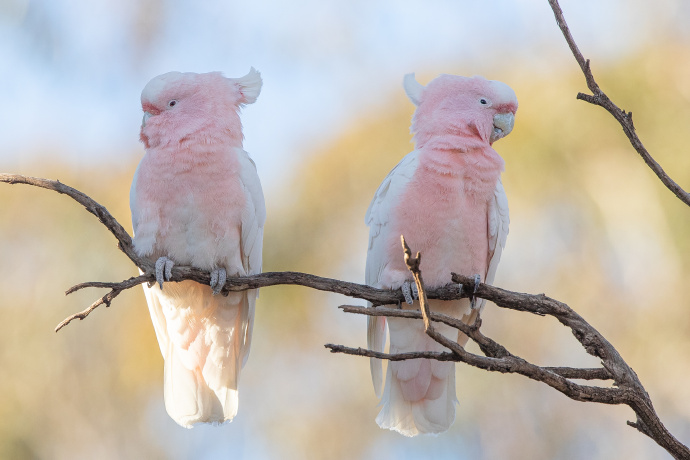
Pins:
x,y
205,341
419,395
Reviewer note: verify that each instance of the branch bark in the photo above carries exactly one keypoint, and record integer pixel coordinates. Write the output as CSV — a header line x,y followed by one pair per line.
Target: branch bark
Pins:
x,y
625,119
628,389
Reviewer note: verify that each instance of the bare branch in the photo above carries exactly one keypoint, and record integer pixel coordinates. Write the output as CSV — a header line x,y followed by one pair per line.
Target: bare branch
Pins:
x,y
439,356
123,238
182,273
628,389
567,372
115,290
598,97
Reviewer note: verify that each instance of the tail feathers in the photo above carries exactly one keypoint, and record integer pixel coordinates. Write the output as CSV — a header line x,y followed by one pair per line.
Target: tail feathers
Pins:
x,y
376,340
432,414
419,396
247,318
205,341
189,399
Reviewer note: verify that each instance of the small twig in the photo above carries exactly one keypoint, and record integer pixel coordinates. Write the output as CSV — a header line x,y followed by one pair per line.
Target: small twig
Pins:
x,y
413,265
598,97
437,355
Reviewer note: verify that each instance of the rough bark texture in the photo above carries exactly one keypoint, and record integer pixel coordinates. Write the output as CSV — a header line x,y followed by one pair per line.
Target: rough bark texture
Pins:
x,y
598,97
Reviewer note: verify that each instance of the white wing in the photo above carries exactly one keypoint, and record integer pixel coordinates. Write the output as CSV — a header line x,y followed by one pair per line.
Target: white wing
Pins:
x,y
498,231
133,201
253,215
253,219
377,218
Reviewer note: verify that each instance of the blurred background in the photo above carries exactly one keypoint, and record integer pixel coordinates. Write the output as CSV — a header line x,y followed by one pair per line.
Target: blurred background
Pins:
x,y
590,224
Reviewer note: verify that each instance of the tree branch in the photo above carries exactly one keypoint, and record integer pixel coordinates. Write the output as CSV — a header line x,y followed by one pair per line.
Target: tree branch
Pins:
x,y
598,97
628,389
182,273
567,372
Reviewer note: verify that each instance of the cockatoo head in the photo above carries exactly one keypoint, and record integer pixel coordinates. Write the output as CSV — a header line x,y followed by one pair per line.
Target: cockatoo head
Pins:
x,y
452,105
191,106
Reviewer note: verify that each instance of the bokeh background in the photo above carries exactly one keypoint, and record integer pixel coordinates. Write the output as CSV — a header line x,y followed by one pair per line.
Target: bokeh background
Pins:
x,y
590,225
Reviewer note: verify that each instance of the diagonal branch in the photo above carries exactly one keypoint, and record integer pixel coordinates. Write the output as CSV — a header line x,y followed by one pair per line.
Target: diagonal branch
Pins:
x,y
115,290
123,239
497,358
598,97
627,387
566,372
182,273
629,390
489,347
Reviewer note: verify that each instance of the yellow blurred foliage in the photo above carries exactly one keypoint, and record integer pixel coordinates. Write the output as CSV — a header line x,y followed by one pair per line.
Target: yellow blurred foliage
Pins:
x,y
590,226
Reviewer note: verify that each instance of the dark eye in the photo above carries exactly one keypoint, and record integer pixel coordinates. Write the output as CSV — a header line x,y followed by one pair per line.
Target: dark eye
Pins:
x,y
172,103
483,101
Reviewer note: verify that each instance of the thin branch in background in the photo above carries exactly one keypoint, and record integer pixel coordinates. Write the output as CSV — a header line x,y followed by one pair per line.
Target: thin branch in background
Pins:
x,y
598,97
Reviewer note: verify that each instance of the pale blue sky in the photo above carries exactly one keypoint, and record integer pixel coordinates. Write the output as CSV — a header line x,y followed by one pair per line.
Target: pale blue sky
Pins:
x,y
72,71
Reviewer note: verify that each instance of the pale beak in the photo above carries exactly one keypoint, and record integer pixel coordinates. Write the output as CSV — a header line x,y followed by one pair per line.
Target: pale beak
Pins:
x,y
147,115
503,125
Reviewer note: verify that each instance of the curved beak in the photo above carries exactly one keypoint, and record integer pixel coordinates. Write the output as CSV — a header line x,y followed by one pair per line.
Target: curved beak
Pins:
x,y
503,125
147,115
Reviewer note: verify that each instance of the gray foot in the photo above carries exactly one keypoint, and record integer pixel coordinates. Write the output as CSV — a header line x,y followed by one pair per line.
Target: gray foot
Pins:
x,y
163,270
473,302
410,292
218,277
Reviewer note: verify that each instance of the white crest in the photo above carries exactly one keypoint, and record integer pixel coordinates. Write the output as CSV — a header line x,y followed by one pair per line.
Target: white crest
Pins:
x,y
250,85
413,88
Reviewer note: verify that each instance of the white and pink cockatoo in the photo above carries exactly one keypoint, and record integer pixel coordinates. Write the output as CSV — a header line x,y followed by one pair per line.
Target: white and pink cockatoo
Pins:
x,y
447,199
196,200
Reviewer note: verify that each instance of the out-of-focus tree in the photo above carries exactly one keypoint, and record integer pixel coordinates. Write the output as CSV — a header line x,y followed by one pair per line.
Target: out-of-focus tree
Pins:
x,y
591,222
590,226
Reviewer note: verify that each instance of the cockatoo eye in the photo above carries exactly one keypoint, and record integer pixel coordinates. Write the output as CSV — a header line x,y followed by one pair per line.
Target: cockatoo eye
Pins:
x,y
172,103
484,101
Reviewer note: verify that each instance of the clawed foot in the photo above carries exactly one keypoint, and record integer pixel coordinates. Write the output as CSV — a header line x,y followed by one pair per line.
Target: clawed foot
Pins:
x,y
410,292
163,270
218,277
473,300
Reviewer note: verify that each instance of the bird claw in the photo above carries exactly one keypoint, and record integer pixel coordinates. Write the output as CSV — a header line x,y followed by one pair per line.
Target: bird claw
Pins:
x,y
410,292
473,299
163,270
218,277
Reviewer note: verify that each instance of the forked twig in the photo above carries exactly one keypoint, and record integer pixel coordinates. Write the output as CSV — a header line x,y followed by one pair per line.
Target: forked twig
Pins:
x,y
598,97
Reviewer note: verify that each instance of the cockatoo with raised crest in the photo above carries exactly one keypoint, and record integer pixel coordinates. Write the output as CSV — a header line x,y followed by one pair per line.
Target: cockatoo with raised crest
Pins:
x,y
196,200
447,199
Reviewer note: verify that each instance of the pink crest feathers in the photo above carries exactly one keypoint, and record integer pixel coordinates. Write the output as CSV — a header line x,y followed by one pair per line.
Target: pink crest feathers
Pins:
x,y
458,109
196,107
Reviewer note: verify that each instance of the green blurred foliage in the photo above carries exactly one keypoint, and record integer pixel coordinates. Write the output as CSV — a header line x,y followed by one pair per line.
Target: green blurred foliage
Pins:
x,y
590,225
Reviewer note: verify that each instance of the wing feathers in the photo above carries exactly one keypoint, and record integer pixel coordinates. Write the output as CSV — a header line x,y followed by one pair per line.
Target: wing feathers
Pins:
x,y
377,217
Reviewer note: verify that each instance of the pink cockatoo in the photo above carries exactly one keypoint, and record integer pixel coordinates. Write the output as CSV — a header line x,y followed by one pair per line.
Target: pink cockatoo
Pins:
x,y
447,199
196,200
